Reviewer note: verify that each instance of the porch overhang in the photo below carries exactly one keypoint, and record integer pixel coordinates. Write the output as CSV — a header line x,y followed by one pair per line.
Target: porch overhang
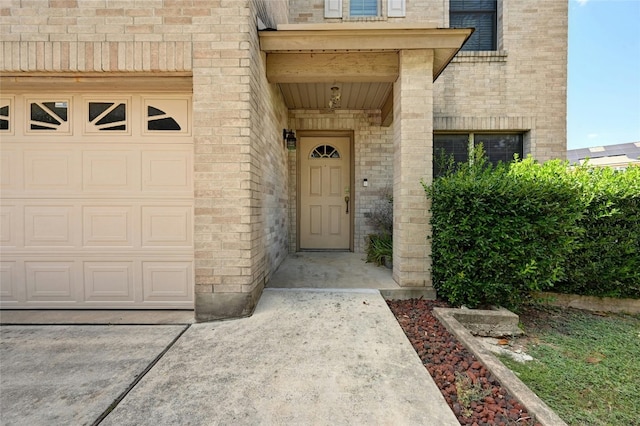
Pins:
x,y
306,60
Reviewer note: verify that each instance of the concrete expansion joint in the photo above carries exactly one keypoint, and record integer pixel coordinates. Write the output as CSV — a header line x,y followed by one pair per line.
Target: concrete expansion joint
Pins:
x,y
327,290
138,378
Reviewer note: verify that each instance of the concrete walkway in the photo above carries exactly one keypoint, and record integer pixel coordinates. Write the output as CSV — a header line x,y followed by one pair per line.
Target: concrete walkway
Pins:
x,y
306,357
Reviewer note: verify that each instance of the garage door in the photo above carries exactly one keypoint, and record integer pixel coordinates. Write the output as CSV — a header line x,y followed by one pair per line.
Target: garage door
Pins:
x,y
97,201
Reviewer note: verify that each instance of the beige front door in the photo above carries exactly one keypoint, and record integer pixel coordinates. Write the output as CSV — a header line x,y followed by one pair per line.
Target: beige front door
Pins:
x,y
325,193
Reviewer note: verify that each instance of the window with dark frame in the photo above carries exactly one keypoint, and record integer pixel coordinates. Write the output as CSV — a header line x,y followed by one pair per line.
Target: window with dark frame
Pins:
x,y
449,147
498,147
479,14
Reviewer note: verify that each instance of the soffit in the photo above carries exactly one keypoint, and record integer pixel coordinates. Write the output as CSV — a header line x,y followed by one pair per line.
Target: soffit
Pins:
x,y
306,60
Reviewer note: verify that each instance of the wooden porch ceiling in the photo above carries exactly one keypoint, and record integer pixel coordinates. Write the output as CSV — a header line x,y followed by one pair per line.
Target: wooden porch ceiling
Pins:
x,y
306,60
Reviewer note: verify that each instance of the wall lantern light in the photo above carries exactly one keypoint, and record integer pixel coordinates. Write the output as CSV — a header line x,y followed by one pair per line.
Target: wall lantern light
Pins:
x,y
289,137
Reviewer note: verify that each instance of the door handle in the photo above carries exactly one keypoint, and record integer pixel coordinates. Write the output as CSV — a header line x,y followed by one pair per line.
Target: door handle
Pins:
x,y
346,200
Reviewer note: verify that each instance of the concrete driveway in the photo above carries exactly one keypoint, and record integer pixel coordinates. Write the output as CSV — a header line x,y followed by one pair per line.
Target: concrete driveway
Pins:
x,y
70,375
305,357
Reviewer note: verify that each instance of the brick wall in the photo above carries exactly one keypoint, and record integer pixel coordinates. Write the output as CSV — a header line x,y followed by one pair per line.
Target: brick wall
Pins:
x,y
245,117
519,88
100,35
412,159
269,182
427,12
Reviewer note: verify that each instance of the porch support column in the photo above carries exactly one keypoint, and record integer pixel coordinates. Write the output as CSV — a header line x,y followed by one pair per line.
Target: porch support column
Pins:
x,y
412,161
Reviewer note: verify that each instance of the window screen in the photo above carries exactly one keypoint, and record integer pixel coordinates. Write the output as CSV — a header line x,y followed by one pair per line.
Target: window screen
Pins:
x,y
363,8
447,146
478,14
500,147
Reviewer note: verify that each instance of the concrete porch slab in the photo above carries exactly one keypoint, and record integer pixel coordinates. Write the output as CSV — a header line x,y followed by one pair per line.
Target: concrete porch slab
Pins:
x,y
331,270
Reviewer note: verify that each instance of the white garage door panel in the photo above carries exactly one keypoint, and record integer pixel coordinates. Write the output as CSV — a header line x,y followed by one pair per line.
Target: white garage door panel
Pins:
x,y
109,281
109,170
48,169
8,281
167,226
49,226
50,281
167,280
95,218
108,225
167,170
10,223
10,169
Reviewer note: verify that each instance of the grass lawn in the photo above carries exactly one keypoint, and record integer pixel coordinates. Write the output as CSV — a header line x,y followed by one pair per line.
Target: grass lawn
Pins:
x,y
586,367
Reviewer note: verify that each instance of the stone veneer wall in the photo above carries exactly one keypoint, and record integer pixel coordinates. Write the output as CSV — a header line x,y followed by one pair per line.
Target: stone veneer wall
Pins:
x,y
373,151
240,174
522,87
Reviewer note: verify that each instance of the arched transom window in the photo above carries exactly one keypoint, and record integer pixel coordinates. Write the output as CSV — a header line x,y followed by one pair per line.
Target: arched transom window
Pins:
x,y
325,151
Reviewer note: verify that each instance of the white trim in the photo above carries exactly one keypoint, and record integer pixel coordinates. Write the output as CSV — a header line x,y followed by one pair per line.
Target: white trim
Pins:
x,y
396,8
333,8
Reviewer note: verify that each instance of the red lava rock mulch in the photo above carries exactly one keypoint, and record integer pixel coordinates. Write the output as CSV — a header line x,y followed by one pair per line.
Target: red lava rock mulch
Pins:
x,y
473,394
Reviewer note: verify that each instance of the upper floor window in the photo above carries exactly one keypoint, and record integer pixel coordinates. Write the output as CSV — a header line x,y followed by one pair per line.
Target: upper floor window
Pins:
x,y
363,8
358,9
478,14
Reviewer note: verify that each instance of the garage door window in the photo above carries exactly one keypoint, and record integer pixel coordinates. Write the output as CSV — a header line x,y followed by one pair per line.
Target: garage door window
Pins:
x,y
48,115
107,116
5,110
166,116
160,120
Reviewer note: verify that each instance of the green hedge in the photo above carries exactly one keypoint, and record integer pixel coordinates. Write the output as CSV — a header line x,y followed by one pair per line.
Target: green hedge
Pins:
x,y
606,262
502,232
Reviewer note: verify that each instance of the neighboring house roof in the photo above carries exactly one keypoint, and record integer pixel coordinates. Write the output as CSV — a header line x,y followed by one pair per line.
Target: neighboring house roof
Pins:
x,y
620,155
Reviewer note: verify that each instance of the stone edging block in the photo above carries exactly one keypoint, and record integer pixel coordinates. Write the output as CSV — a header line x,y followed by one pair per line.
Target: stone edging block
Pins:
x,y
490,323
536,407
591,303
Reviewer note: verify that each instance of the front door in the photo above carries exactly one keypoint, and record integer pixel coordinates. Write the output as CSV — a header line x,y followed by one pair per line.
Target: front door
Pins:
x,y
326,201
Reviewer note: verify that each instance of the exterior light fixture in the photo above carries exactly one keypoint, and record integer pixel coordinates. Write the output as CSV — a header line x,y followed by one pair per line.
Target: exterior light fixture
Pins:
x,y
335,101
289,137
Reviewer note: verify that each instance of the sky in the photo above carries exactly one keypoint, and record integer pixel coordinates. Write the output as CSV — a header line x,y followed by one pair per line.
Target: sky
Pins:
x,y
603,105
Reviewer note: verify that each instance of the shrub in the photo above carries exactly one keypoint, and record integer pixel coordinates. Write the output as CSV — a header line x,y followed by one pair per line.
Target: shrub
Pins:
x,y
501,232
606,260
379,247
